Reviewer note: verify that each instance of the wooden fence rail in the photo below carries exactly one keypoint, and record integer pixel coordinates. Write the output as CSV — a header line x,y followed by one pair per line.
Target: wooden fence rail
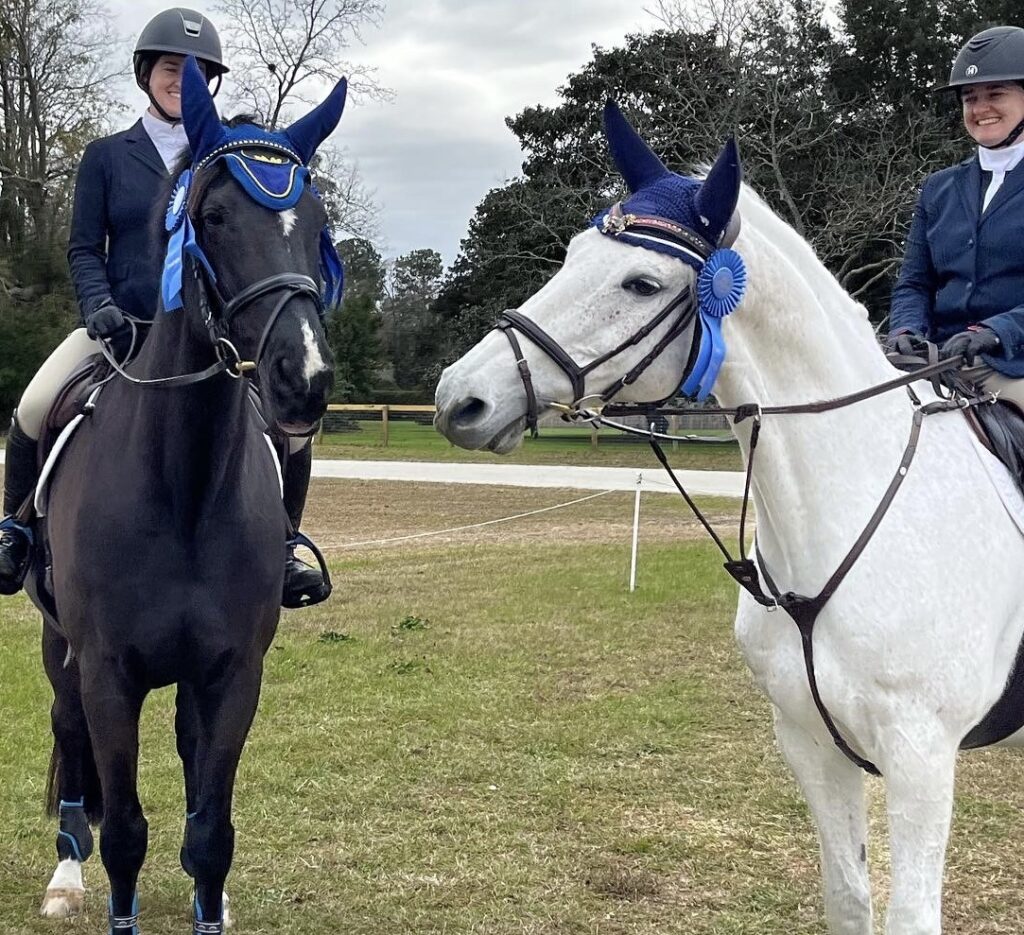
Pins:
x,y
673,418
385,410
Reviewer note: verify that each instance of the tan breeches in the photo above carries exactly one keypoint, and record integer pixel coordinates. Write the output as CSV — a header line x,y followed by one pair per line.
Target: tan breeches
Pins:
x,y
1008,389
44,386
42,390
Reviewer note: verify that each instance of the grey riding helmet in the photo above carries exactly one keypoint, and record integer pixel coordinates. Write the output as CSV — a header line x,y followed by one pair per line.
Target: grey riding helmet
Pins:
x,y
993,55
178,31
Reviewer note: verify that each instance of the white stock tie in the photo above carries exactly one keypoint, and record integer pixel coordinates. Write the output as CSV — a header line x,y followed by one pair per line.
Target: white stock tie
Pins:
x,y
998,162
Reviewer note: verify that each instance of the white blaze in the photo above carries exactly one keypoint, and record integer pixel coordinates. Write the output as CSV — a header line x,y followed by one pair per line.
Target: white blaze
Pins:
x,y
287,220
314,361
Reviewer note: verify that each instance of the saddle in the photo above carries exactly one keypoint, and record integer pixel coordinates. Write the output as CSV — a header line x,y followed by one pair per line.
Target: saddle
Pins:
x,y
72,399
1000,428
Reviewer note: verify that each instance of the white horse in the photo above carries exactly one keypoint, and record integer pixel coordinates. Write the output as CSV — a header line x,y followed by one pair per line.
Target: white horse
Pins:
x,y
919,640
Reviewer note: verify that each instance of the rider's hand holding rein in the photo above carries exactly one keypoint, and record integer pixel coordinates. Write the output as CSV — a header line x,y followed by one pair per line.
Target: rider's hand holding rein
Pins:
x,y
971,344
908,343
108,323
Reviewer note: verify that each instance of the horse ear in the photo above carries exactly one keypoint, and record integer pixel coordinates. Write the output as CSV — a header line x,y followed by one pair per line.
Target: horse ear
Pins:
x,y
632,156
717,197
307,133
198,113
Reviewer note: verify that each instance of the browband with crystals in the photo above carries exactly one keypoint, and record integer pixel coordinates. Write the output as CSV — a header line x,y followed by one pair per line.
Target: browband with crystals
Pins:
x,y
656,229
234,145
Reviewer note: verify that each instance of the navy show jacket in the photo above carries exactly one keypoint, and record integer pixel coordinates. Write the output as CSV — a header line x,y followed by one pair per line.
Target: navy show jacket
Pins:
x,y
962,267
116,246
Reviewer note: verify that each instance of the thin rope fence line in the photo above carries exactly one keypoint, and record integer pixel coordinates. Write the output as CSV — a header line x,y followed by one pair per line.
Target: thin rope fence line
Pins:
x,y
490,522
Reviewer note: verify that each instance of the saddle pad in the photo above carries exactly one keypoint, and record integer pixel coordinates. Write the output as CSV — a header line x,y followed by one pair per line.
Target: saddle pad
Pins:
x,y
1006,717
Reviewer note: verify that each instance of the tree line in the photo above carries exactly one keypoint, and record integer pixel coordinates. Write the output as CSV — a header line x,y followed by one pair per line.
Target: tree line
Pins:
x,y
832,109
834,114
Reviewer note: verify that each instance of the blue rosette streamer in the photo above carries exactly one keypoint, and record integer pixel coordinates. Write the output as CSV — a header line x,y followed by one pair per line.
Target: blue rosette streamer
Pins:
x,y
720,287
182,243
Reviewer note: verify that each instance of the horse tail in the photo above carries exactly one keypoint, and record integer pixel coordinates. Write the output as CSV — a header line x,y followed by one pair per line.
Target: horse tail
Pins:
x,y
92,793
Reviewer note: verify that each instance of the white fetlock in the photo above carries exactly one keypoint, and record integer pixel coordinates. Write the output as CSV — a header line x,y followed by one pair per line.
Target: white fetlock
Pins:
x,y
65,896
228,921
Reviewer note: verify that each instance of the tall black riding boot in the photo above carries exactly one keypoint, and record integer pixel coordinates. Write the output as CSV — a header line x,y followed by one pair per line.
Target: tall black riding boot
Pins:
x,y
304,585
20,476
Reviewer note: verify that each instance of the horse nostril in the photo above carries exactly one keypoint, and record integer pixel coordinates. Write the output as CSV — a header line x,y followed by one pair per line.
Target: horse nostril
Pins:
x,y
469,412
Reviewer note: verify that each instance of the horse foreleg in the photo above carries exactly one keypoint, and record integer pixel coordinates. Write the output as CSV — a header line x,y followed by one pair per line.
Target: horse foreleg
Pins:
x,y
187,731
112,708
834,789
918,764
73,787
226,711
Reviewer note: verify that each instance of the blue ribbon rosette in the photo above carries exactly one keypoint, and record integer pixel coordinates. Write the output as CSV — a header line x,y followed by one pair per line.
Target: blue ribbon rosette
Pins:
x,y
720,287
182,242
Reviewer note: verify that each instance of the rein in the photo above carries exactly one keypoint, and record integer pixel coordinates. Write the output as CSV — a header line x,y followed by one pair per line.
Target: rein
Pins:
x,y
803,609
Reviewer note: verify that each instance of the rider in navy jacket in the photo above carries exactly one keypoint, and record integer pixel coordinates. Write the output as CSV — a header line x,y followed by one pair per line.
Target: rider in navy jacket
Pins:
x,y
111,249
115,252
962,280
962,267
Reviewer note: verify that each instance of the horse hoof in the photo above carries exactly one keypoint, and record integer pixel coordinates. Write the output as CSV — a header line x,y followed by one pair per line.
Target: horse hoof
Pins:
x,y
62,903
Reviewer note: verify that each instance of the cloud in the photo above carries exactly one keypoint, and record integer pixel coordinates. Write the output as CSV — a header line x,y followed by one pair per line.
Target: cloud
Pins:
x,y
458,69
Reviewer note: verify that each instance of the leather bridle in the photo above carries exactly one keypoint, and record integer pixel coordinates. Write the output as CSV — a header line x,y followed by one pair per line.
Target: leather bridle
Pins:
x,y
511,321
640,231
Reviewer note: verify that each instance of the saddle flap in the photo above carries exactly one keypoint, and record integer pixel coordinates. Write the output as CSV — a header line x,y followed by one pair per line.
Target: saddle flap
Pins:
x,y
67,404
1003,426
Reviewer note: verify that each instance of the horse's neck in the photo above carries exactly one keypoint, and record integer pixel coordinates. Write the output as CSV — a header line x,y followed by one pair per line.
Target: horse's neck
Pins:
x,y
817,477
194,430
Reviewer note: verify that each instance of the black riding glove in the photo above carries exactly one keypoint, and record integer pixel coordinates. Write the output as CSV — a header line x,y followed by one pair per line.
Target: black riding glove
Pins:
x,y
908,343
969,344
108,323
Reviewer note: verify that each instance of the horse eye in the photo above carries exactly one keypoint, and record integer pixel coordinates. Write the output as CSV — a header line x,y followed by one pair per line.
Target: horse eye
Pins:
x,y
213,217
642,287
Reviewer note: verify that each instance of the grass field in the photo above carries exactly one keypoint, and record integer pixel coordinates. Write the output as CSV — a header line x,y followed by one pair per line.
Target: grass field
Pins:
x,y
408,441
485,733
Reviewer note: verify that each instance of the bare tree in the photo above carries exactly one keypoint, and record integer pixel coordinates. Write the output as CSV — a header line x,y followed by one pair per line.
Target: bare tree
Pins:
x,y
55,95
351,209
279,49
727,18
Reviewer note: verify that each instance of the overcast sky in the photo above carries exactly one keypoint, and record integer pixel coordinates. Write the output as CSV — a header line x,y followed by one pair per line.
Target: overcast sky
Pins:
x,y
457,69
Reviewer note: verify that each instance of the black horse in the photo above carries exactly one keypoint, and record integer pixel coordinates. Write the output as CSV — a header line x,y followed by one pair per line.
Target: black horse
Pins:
x,y
166,523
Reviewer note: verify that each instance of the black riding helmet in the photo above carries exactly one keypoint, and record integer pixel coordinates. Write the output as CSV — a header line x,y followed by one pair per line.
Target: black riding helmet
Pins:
x,y
177,31
993,55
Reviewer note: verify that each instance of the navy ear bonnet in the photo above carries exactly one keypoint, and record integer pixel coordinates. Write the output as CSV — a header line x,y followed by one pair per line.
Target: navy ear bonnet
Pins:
x,y
685,218
271,167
